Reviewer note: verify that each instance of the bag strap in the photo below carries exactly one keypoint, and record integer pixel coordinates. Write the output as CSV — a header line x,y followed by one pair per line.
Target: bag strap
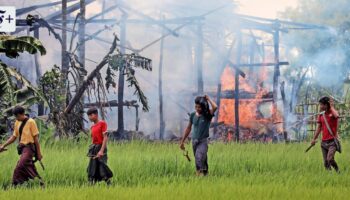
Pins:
x,y
327,125
21,128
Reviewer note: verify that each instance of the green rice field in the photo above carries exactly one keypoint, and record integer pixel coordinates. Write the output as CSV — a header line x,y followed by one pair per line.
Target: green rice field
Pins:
x,y
146,170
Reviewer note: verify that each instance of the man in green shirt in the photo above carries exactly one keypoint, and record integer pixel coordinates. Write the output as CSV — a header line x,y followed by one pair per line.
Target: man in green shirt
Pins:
x,y
200,119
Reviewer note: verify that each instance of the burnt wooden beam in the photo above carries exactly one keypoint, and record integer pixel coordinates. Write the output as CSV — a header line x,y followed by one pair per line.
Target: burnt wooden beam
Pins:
x,y
64,55
137,123
70,9
59,13
81,48
259,64
25,10
230,94
24,22
41,108
238,61
128,21
276,73
285,112
218,101
160,91
121,78
81,37
112,103
93,36
88,21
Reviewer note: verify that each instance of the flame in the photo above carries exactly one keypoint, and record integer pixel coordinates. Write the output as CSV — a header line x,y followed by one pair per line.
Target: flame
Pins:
x,y
249,112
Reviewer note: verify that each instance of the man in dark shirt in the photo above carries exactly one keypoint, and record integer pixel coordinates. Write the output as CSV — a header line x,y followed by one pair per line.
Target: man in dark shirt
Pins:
x,y
200,120
329,131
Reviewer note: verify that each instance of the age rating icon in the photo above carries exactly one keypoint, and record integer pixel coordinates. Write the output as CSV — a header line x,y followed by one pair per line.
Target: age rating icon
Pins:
x,y
7,19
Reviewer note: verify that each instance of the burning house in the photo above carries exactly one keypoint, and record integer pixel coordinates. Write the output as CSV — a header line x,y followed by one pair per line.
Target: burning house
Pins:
x,y
249,94
256,120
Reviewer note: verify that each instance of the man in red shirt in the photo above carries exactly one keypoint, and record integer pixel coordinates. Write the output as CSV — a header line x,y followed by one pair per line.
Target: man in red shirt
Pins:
x,y
328,145
98,169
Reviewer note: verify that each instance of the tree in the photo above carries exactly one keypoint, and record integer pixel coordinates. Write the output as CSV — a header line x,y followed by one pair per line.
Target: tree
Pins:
x,y
15,89
67,120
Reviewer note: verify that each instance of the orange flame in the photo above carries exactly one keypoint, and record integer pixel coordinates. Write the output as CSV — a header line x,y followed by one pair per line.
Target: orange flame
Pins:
x,y
249,112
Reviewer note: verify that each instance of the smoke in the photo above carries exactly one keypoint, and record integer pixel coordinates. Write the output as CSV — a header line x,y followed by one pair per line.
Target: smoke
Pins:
x,y
179,65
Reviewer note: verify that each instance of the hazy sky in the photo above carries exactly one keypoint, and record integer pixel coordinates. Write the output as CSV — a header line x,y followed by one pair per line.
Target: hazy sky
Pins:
x,y
264,8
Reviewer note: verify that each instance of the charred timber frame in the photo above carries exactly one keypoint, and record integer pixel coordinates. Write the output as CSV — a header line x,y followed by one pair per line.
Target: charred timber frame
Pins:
x,y
114,103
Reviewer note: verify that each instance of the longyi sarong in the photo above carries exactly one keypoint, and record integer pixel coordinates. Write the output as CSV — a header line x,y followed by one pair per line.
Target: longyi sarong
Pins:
x,y
97,169
25,168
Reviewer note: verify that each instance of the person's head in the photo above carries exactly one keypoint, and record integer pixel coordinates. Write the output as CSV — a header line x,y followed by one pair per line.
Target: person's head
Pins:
x,y
324,103
92,114
19,113
201,105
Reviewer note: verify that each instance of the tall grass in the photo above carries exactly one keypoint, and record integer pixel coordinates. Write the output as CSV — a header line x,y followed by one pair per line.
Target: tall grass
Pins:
x,y
159,170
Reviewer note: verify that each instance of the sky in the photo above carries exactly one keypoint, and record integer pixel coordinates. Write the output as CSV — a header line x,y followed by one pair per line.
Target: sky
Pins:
x,y
264,8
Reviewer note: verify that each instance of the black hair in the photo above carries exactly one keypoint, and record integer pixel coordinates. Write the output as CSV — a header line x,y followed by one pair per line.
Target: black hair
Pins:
x,y
91,111
202,101
18,110
325,101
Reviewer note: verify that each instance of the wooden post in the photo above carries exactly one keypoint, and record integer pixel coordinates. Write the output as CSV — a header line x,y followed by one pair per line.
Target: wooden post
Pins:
x,y
285,112
276,72
160,91
81,35
218,101
41,108
64,32
81,54
121,75
238,61
137,119
64,61
199,59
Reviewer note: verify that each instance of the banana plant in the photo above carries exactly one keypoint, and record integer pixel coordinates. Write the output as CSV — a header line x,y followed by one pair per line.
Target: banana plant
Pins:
x,y
15,89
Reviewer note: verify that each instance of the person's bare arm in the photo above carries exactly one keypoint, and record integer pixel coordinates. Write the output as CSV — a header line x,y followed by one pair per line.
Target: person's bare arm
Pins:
x,y
333,111
213,105
317,133
38,149
11,140
104,145
187,133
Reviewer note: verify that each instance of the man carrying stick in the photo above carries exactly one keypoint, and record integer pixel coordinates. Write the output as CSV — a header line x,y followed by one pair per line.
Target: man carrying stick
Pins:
x,y
200,120
328,125
28,147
